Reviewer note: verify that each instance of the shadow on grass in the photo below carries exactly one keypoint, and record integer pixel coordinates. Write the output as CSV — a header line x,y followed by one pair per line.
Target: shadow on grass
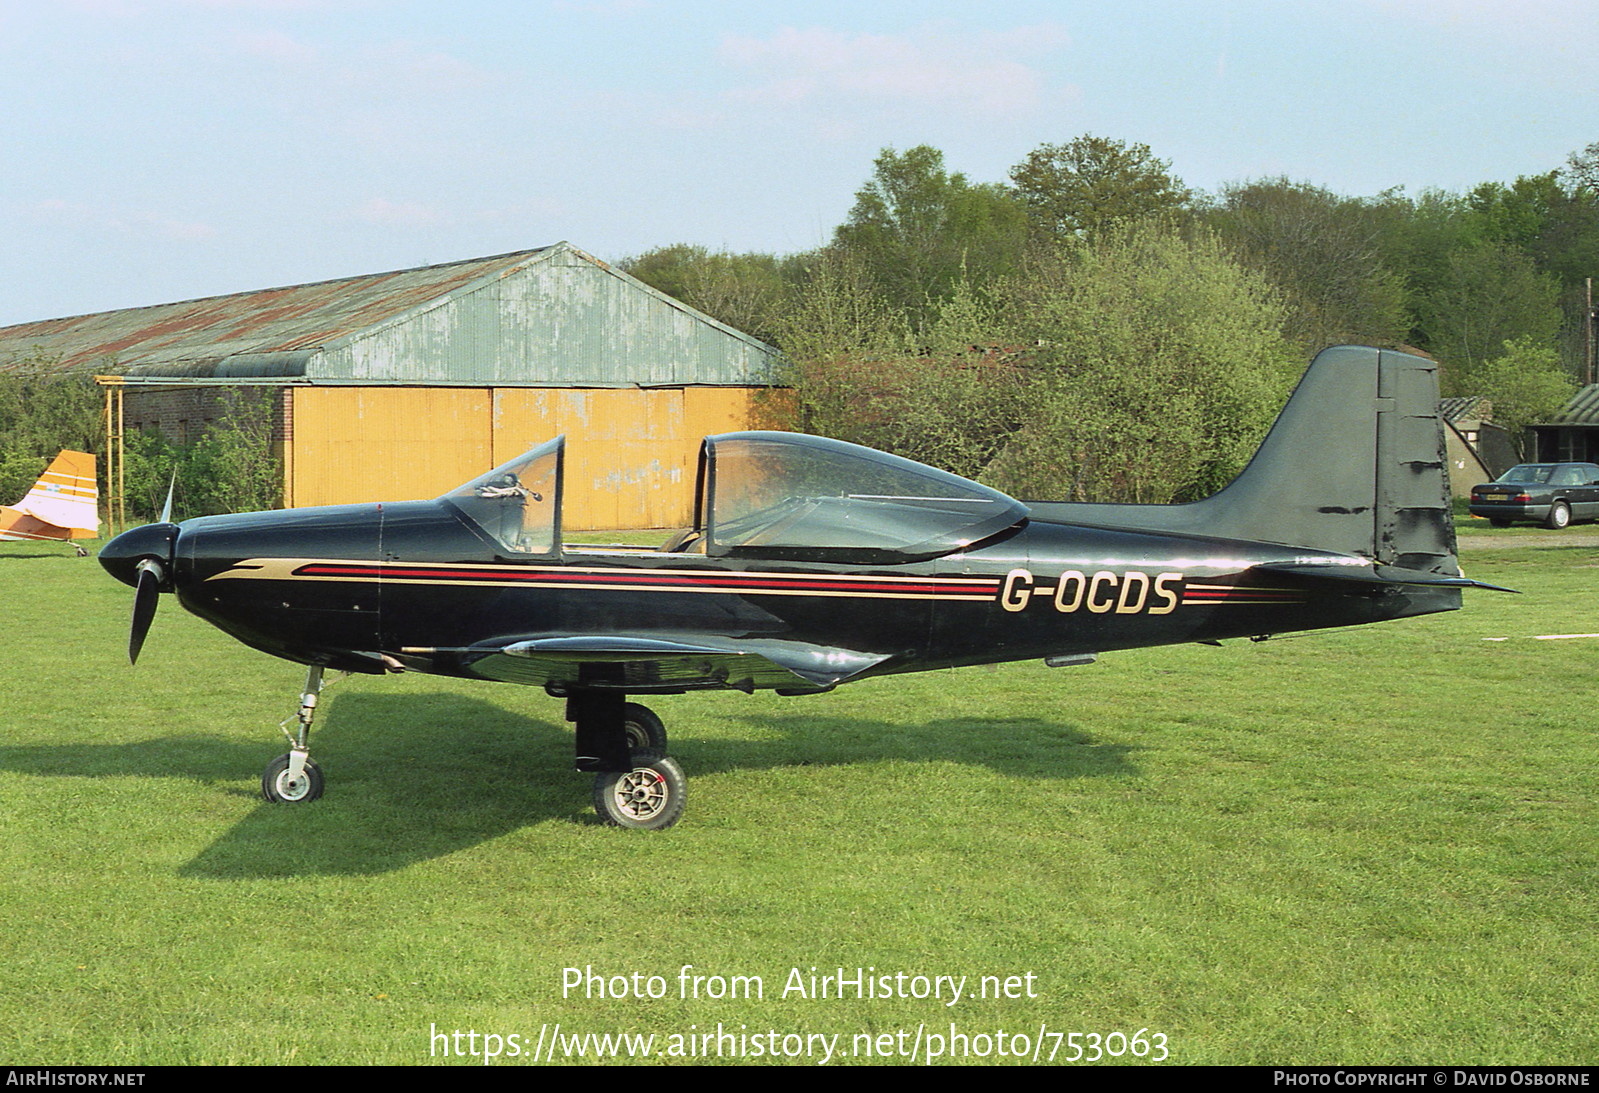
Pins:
x,y
415,777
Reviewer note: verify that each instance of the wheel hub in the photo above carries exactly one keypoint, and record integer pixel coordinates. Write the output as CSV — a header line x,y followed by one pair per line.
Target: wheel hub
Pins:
x,y
641,794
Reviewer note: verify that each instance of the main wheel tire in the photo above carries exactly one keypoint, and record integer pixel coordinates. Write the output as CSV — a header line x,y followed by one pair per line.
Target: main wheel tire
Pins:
x,y
1559,516
649,797
645,730
280,789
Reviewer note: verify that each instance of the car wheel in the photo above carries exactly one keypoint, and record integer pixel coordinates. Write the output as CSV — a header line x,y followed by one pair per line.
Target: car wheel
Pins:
x,y
1559,515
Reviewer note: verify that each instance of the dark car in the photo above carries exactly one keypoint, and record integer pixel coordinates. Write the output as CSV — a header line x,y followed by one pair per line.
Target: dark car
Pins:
x,y
1551,494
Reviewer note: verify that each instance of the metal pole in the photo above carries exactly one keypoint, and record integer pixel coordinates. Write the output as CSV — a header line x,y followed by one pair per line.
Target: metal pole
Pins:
x,y
1592,320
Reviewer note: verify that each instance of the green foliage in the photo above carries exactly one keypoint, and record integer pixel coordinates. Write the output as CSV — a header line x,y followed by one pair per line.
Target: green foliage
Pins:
x,y
1160,365
1526,384
746,291
919,229
953,403
41,412
1486,295
1552,221
1582,168
1091,185
840,311
231,468
1323,252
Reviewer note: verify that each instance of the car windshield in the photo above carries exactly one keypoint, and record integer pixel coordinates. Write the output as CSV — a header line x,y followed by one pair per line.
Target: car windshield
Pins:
x,y
518,503
784,495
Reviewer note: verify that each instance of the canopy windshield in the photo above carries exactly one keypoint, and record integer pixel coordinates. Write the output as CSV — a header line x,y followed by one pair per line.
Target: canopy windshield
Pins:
x,y
518,504
784,495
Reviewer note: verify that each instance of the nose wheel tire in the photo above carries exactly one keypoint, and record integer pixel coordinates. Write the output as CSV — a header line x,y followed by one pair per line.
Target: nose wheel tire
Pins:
x,y
279,788
649,797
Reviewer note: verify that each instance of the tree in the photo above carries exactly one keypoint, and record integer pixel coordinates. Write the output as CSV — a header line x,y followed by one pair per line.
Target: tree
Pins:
x,y
43,410
1582,168
1551,220
953,404
1090,185
748,292
1486,295
232,468
918,229
1526,385
838,311
1323,252
1159,367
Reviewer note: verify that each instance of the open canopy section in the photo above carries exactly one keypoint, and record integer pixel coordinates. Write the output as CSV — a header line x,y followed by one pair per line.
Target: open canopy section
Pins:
x,y
808,498
518,504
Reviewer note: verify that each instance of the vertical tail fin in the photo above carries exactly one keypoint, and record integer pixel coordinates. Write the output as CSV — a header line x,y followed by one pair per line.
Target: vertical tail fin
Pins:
x,y
63,504
1354,464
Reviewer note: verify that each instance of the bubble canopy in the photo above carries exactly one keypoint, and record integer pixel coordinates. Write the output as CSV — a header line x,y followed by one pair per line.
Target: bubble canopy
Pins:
x,y
782,496
791,496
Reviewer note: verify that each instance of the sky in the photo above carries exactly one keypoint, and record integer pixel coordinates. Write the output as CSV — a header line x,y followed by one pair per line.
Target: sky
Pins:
x,y
162,150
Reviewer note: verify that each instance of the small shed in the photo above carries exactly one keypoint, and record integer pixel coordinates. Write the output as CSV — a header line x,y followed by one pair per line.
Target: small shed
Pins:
x,y
1479,450
403,384
1572,436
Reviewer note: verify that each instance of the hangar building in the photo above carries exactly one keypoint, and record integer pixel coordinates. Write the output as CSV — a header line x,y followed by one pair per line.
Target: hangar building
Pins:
x,y
402,385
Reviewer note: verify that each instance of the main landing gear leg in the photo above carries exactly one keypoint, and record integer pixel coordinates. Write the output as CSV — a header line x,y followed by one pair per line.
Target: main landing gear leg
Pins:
x,y
624,743
294,778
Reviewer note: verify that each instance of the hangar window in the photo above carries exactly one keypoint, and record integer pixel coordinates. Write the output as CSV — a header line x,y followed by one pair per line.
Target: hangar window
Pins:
x,y
518,504
788,496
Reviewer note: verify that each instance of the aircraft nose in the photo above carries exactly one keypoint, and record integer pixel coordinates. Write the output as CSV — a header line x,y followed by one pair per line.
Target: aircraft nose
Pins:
x,y
122,555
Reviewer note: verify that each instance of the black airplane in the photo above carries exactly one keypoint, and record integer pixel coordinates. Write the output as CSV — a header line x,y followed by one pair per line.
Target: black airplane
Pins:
x,y
813,562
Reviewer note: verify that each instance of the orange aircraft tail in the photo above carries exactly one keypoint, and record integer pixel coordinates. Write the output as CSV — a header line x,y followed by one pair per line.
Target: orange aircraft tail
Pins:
x,y
63,504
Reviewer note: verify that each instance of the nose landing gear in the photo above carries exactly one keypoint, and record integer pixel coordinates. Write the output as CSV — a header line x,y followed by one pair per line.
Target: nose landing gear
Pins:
x,y
294,778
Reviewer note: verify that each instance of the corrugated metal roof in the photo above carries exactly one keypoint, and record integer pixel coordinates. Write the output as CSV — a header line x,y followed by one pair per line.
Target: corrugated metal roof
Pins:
x,y
1453,409
195,334
1583,409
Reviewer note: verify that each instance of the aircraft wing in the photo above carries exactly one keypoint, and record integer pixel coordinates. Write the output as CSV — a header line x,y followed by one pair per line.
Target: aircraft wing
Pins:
x,y
640,664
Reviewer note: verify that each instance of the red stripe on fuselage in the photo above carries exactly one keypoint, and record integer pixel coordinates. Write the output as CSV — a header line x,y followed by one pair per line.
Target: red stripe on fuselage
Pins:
x,y
740,582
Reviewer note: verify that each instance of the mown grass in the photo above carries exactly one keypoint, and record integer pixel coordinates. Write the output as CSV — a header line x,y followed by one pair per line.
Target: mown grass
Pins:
x,y
1364,846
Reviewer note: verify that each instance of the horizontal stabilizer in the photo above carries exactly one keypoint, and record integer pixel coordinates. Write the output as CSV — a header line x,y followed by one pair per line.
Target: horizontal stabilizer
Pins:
x,y
1379,576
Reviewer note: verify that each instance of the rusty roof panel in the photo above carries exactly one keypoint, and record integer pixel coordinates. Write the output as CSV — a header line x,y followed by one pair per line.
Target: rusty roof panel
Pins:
x,y
264,321
553,317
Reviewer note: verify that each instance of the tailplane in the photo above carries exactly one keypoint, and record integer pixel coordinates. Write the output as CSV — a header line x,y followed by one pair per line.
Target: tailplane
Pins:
x,y
1354,464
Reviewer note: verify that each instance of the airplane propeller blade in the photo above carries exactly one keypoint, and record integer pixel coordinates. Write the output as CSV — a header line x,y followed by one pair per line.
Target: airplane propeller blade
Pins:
x,y
166,509
145,597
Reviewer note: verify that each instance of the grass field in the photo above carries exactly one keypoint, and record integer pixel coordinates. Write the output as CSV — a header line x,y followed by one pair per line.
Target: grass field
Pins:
x,y
1364,846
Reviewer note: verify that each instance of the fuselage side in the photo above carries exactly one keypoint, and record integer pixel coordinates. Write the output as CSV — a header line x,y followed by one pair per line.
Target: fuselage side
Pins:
x,y
414,585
